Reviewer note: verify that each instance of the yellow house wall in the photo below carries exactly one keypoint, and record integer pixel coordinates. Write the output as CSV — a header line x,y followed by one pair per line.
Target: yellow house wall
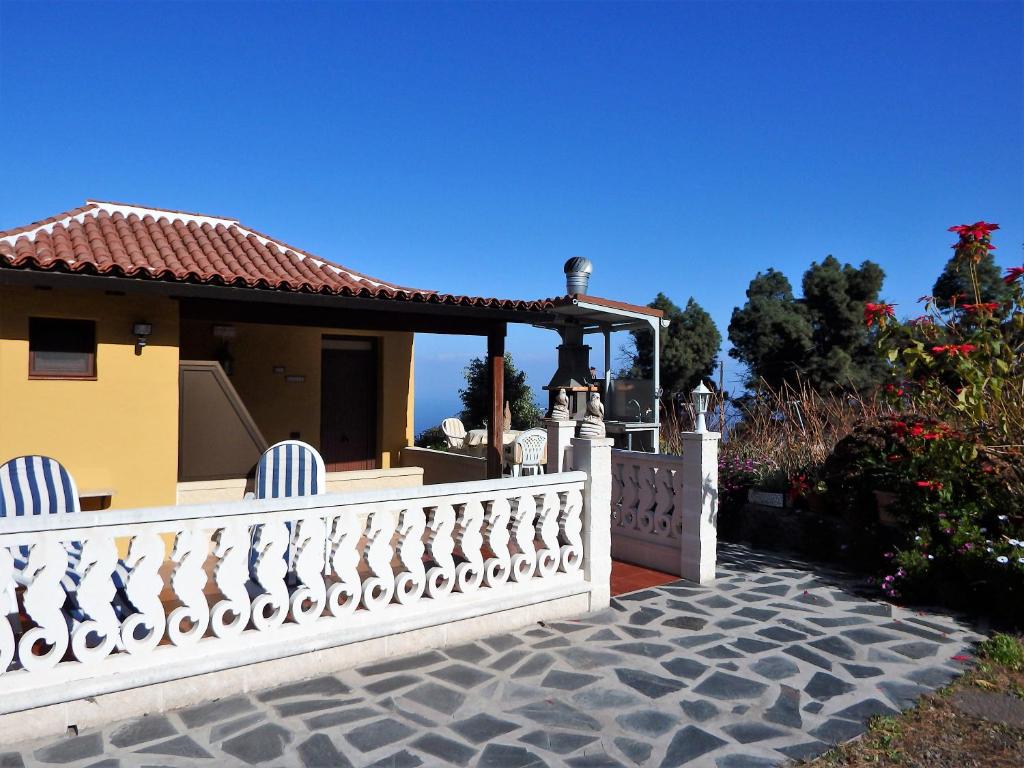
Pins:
x,y
118,432
281,408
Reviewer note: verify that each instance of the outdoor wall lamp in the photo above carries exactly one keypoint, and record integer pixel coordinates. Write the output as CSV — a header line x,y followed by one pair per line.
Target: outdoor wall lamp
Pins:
x,y
141,332
701,400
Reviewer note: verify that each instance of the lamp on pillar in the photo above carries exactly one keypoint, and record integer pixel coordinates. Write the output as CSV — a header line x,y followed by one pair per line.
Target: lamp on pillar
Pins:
x,y
701,400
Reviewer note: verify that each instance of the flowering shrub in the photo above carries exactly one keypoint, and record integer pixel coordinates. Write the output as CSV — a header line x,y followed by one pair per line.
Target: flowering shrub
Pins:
x,y
958,474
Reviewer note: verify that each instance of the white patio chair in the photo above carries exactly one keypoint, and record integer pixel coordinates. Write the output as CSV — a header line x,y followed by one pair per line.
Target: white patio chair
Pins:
x,y
38,485
454,432
529,449
286,469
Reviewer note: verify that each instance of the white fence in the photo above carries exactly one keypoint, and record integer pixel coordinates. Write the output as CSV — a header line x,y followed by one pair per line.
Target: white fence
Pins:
x,y
664,508
104,607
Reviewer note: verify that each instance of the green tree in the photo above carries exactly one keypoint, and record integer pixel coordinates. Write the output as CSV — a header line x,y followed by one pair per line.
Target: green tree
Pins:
x,y
689,347
771,333
820,338
955,280
476,397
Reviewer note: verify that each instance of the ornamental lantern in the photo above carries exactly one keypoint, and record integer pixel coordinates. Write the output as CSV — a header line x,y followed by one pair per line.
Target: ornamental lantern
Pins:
x,y
701,400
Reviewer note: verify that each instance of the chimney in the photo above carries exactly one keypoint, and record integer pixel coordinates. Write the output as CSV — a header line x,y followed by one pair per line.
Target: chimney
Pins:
x,y
577,275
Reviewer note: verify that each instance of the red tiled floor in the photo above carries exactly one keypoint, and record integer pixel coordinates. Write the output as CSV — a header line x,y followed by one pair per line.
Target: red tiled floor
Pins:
x,y
627,577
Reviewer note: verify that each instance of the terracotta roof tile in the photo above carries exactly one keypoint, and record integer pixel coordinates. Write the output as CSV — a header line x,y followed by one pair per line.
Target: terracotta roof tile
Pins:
x,y
125,240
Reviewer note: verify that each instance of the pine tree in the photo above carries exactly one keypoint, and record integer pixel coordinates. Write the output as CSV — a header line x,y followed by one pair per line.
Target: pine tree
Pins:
x,y
476,397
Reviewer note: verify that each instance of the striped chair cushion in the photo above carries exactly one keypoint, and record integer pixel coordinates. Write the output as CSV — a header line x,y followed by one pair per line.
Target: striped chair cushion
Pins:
x,y
36,485
290,468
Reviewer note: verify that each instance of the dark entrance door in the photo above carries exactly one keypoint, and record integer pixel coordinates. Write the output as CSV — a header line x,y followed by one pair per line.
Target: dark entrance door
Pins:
x,y
348,404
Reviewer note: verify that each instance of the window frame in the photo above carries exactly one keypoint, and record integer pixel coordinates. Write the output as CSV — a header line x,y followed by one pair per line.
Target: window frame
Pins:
x,y
35,375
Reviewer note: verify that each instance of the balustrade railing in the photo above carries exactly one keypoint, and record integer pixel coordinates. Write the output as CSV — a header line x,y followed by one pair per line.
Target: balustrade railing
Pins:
x,y
115,599
647,492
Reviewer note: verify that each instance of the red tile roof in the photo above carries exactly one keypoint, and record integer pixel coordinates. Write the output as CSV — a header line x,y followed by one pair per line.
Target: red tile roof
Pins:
x,y
123,240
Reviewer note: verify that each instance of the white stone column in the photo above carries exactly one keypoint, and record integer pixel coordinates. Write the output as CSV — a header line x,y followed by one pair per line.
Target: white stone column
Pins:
x,y
595,458
699,538
559,435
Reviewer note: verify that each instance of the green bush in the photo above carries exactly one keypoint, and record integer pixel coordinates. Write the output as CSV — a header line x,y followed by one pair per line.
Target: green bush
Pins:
x,y
1005,650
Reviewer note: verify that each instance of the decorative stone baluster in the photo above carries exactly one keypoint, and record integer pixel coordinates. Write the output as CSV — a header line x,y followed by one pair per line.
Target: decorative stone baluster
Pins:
x,y
379,588
469,573
8,605
145,556
496,569
647,476
308,600
343,596
95,592
618,491
677,503
43,598
630,496
231,547
410,584
188,578
270,570
547,530
664,502
440,544
524,561
570,524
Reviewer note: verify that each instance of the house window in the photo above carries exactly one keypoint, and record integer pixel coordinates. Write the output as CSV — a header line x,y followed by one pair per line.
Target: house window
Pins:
x,y
61,349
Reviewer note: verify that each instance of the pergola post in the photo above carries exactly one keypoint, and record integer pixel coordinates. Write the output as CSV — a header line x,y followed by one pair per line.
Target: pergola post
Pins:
x,y
495,425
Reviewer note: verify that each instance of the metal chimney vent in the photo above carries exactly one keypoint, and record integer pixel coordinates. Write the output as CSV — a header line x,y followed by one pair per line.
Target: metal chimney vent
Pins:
x,y
577,275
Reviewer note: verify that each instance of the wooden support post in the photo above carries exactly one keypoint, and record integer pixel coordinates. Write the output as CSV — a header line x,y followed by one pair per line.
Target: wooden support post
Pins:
x,y
495,425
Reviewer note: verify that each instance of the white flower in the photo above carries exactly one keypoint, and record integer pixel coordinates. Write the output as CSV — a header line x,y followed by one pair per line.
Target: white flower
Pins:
x,y
988,549
1002,559
931,557
1014,543
1004,518
917,538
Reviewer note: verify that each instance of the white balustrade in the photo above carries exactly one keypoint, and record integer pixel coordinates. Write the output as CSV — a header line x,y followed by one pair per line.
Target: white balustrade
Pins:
x,y
120,598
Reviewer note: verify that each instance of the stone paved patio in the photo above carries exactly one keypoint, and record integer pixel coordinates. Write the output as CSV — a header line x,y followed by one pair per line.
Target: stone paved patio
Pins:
x,y
778,660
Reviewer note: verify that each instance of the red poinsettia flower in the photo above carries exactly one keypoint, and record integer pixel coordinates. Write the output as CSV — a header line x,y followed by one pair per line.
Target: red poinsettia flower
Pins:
x,y
930,484
987,306
977,230
954,350
1013,274
878,313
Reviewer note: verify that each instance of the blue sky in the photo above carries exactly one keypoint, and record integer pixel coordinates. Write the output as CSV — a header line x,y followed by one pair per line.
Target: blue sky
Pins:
x,y
472,148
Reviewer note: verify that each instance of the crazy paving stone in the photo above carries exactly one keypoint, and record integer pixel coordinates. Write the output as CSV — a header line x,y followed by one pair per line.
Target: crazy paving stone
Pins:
x,y
641,632
324,686
841,621
745,761
144,729
444,748
750,645
586,658
377,734
507,756
863,710
557,714
681,606
265,742
183,746
901,694
648,722
694,623
503,643
805,654
509,659
11,760
721,685
648,650
292,708
390,705
746,733
402,759
637,751
602,760
567,681
559,742
318,751
860,671
804,751
919,631
683,667
758,614
393,683
220,709
71,750
837,731
719,652
403,664
916,650
470,652
696,641
342,717
835,646
231,727
689,743
603,635
644,594
932,677
733,623
535,665
652,686
461,675
699,710
645,616
786,709
604,698
439,698
775,667
482,727
781,634
554,642
825,686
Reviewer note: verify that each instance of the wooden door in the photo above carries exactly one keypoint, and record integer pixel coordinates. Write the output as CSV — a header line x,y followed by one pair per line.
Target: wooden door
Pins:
x,y
348,404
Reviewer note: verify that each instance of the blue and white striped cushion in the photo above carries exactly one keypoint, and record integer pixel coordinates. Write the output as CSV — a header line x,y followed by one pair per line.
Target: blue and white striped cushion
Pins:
x,y
36,485
290,468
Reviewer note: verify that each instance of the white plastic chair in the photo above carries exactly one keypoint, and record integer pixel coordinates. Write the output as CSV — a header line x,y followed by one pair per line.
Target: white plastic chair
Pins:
x,y
529,449
454,432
